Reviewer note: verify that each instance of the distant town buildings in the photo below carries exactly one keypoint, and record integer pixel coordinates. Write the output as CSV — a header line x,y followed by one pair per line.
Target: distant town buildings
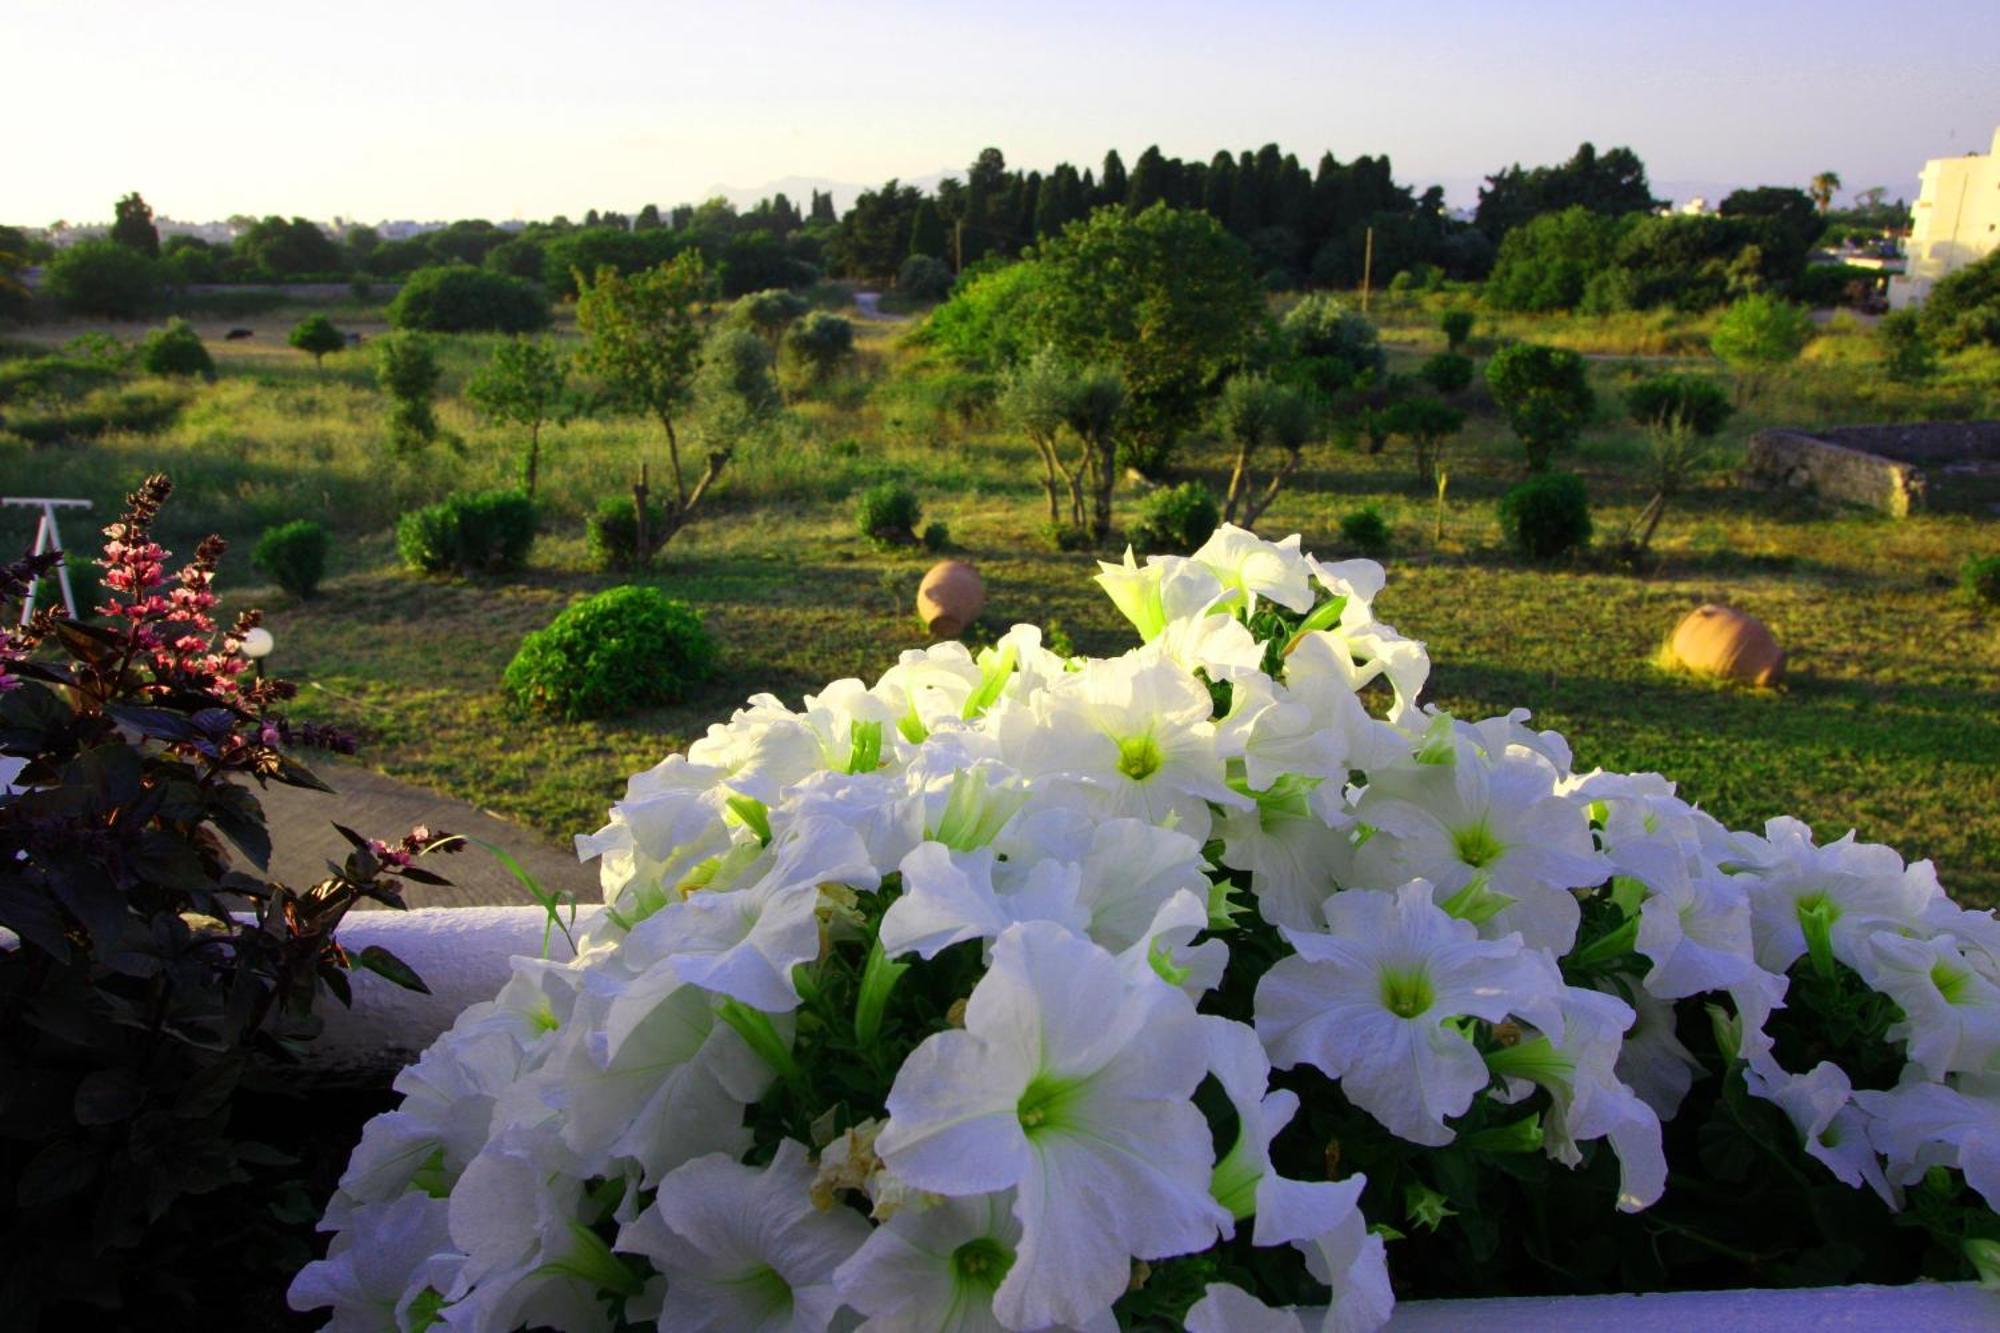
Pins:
x,y
1956,221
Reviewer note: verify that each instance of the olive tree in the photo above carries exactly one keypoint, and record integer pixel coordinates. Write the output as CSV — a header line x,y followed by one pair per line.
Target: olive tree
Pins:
x,y
1426,423
642,339
1035,399
524,385
770,312
315,335
1253,415
1166,300
1757,335
818,344
1545,395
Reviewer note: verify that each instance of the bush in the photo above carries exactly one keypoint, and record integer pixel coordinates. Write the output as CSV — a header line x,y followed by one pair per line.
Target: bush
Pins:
x,y
141,1014
1546,395
1176,520
104,278
888,513
490,532
1546,516
458,298
1907,354
1446,372
1365,530
315,336
1457,326
611,536
818,344
294,555
923,278
937,536
1066,537
1963,309
1699,404
407,370
1760,332
1980,579
176,350
1332,345
620,651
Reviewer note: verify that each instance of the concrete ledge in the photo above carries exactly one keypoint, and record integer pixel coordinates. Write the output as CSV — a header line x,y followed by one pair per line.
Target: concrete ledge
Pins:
x,y
1836,472
1924,1307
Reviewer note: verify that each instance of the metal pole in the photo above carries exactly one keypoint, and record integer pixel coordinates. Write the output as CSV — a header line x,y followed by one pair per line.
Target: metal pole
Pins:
x,y
1367,267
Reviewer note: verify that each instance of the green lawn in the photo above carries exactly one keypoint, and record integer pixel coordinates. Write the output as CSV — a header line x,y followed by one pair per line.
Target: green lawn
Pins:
x,y
1890,722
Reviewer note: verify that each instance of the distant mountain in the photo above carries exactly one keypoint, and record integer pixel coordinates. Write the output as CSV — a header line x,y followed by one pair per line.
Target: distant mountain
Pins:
x,y
799,189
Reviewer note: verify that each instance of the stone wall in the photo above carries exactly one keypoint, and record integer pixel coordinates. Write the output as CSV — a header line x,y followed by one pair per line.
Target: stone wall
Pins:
x,y
1898,469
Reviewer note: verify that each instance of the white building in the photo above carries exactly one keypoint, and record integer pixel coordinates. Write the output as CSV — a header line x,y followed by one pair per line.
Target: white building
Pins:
x,y
1956,221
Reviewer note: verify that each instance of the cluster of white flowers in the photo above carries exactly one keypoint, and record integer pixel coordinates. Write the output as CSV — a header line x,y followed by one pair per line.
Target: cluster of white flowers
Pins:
x,y
646,1133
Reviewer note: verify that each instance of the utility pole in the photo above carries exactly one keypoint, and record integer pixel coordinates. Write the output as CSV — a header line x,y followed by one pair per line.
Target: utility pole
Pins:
x,y
1367,267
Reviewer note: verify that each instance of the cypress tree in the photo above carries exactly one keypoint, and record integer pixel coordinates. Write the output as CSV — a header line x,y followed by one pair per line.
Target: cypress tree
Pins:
x,y
927,232
1111,187
1148,185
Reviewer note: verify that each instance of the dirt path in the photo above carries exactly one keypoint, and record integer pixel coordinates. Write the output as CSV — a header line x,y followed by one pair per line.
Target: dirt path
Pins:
x,y
869,306
381,807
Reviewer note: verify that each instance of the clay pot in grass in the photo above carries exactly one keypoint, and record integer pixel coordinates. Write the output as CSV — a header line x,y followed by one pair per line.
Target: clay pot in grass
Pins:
x,y
950,598
1723,642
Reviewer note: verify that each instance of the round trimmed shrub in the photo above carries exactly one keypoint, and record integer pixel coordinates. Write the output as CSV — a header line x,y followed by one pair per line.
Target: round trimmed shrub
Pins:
x,y
489,532
1980,578
458,298
294,555
1447,372
611,537
888,513
1176,520
316,336
1457,326
1698,404
1365,530
1546,515
620,651
922,278
176,350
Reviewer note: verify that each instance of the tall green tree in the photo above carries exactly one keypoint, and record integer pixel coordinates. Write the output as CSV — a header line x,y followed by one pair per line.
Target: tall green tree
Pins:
x,y
523,385
1166,299
927,232
642,339
134,227
1112,183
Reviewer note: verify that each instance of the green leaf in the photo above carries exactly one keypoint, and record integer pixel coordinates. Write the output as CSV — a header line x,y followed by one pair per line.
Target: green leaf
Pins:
x,y
56,1172
380,961
295,774
106,1096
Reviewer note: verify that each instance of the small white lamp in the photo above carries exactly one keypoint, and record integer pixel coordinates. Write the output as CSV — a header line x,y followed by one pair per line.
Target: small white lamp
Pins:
x,y
257,645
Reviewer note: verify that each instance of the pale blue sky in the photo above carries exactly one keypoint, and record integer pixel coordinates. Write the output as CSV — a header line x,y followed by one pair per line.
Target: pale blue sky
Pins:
x,y
502,108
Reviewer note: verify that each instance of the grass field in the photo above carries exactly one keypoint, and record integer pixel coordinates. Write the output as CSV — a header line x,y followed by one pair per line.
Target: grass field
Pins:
x,y
1890,723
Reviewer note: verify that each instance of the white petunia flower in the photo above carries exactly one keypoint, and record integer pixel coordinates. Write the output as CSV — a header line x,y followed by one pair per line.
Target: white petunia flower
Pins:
x,y
1831,1123
388,1256
1921,1125
949,897
1227,1309
1652,1061
1805,897
649,1075
1071,1083
674,818
742,1249
1166,589
1489,831
1950,1022
1295,860
1134,738
1250,568
744,942
762,749
1372,1002
1354,1262
1587,1100
936,1271
1244,1180
928,688
518,1216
